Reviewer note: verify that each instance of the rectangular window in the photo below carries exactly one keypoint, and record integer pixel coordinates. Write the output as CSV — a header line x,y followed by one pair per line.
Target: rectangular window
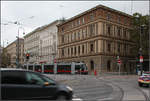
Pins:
x,y
114,30
72,36
91,47
71,51
108,47
91,16
119,31
119,19
83,49
91,29
67,38
118,47
62,52
78,21
68,51
124,33
78,35
79,50
103,28
75,50
108,29
108,16
96,32
84,33
125,48
62,38
83,20
125,20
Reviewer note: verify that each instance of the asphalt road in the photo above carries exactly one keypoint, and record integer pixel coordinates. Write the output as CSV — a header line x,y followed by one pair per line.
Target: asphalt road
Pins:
x,y
129,87
102,88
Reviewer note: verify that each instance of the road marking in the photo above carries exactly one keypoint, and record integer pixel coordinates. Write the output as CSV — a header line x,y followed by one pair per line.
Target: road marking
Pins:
x,y
104,99
77,99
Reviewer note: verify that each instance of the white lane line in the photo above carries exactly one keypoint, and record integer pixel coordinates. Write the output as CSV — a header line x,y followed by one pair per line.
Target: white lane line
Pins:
x,y
77,99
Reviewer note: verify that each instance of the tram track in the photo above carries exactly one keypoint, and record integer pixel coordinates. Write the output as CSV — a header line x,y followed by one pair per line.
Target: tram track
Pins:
x,y
91,89
127,93
145,95
121,95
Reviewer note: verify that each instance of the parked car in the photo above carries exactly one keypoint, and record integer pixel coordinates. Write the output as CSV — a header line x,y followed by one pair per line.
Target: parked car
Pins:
x,y
19,84
144,79
146,73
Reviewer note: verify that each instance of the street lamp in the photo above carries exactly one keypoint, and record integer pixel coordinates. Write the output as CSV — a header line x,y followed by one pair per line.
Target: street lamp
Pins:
x,y
140,49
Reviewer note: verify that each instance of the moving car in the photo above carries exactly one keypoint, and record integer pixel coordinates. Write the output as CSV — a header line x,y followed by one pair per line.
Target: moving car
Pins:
x,y
19,84
144,79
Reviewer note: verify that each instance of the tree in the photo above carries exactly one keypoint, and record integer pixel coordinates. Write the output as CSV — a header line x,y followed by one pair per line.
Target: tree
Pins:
x,y
138,21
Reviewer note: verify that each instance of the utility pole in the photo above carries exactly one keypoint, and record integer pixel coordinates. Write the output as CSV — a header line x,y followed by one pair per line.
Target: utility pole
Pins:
x,y
140,50
0,52
16,23
18,50
17,60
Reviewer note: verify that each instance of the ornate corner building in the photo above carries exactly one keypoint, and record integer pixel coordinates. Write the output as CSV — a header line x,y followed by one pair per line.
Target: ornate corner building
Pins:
x,y
96,37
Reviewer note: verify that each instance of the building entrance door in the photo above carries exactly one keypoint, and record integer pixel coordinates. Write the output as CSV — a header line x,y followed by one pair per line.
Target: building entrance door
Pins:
x,y
92,65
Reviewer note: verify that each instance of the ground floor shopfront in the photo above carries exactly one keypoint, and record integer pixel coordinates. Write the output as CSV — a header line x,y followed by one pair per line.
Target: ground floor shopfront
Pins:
x,y
103,64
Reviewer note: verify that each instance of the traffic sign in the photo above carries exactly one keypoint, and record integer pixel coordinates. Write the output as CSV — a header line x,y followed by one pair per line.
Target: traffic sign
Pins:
x,y
119,61
54,60
141,59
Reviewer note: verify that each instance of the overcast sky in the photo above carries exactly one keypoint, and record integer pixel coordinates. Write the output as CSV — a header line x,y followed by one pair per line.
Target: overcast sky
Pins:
x,y
33,14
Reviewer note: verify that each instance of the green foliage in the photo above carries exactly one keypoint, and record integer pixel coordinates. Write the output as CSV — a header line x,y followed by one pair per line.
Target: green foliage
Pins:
x,y
138,21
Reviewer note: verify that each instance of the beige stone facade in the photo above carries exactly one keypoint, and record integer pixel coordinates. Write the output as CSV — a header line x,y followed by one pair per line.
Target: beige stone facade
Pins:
x,y
97,37
12,49
31,46
41,44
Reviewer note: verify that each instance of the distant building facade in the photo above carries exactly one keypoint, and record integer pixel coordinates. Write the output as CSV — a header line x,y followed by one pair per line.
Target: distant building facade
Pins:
x,y
96,37
31,46
41,44
12,50
1,51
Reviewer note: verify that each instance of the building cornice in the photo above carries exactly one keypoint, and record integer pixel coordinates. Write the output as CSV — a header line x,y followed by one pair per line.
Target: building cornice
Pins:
x,y
97,37
94,8
41,28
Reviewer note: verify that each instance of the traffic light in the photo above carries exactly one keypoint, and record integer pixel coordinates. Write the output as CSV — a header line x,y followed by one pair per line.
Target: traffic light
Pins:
x,y
27,56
